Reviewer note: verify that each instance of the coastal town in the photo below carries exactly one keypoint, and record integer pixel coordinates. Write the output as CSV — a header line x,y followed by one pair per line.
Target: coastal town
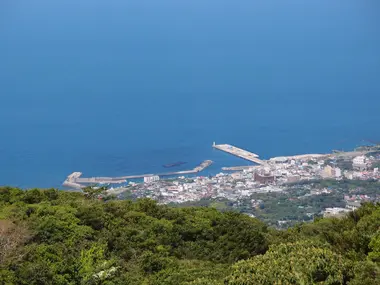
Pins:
x,y
303,186
276,177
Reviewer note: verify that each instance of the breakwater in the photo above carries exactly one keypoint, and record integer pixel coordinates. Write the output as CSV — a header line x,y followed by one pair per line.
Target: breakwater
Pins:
x,y
239,153
75,179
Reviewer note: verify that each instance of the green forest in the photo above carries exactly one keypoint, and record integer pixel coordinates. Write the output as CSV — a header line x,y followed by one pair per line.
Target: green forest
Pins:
x,y
60,237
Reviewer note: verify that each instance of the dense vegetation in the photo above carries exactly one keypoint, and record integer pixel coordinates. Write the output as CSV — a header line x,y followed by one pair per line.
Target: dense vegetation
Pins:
x,y
57,237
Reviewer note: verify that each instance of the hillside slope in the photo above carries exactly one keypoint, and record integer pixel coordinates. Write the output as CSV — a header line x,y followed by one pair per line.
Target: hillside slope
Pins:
x,y
57,237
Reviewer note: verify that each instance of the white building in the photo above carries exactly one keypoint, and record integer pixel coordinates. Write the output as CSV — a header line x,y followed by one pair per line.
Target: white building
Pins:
x,y
353,205
359,162
150,179
335,212
338,172
281,159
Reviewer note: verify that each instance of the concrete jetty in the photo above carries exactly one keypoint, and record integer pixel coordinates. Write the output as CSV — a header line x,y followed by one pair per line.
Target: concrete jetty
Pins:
x,y
75,180
239,153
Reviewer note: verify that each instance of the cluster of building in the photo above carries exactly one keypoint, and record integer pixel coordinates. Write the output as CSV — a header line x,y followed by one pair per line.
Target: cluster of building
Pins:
x,y
281,174
274,176
230,186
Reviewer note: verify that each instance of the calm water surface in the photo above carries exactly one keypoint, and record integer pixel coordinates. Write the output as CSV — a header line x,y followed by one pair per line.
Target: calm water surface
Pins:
x,y
122,87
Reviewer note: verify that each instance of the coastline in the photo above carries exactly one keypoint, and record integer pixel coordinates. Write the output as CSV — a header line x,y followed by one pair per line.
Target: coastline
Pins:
x,y
75,180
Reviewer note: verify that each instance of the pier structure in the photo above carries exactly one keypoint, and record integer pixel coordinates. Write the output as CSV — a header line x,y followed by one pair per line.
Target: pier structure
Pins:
x,y
75,180
239,153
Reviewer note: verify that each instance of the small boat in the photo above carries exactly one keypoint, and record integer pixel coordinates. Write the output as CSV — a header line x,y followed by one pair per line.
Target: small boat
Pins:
x,y
178,163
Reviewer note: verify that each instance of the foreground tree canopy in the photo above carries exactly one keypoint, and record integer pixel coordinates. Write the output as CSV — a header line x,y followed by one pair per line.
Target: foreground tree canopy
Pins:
x,y
57,237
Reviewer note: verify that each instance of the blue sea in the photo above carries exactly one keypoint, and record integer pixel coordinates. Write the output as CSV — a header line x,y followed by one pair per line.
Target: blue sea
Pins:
x,y
123,87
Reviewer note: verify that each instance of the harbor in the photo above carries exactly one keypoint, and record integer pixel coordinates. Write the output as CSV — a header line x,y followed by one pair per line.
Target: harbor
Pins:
x,y
263,171
75,180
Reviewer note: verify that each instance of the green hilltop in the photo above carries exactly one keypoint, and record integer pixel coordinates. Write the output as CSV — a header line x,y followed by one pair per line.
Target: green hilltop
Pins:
x,y
58,237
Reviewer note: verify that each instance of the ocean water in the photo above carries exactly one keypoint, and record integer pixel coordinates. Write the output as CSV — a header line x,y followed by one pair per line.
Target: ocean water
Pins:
x,y
122,87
